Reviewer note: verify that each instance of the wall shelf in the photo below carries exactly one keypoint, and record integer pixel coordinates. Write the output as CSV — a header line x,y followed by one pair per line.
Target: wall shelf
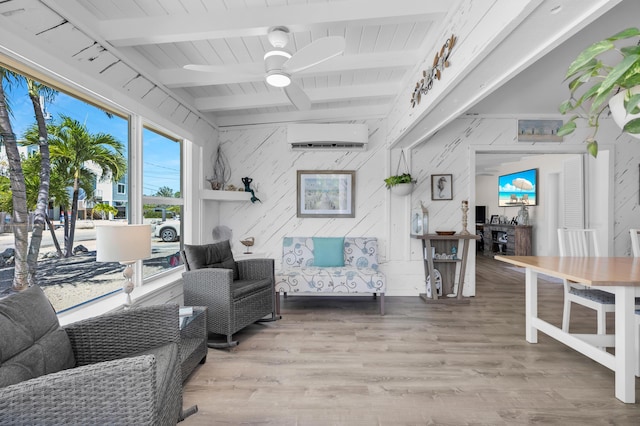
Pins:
x,y
210,194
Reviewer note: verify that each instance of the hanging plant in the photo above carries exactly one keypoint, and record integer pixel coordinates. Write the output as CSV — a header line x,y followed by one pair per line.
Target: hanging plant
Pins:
x,y
400,184
221,171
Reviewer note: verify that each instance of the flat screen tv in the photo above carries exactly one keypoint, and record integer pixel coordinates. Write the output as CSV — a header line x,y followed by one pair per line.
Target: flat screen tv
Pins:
x,y
516,189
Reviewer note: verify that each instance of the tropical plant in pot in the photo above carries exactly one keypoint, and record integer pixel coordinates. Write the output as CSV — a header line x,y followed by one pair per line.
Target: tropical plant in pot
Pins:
x,y
400,184
596,86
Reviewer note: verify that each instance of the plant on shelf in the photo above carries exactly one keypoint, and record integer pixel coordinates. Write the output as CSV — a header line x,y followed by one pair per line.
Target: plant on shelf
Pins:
x,y
596,86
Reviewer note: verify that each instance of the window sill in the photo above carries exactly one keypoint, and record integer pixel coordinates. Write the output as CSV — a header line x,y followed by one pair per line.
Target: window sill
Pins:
x,y
115,302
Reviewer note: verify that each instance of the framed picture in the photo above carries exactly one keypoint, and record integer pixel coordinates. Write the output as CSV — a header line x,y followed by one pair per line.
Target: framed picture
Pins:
x,y
539,130
495,219
442,187
326,193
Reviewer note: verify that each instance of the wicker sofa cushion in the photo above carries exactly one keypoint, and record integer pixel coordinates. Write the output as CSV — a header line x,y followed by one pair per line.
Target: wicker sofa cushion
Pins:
x,y
217,255
32,344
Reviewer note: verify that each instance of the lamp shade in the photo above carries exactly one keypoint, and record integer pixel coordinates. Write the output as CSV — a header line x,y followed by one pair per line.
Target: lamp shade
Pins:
x,y
123,243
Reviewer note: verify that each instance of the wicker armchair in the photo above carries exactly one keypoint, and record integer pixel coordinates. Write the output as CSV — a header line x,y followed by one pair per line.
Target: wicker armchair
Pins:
x,y
236,293
127,371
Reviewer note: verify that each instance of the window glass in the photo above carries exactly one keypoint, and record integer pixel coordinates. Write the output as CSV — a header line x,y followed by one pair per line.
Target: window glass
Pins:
x,y
81,134
161,183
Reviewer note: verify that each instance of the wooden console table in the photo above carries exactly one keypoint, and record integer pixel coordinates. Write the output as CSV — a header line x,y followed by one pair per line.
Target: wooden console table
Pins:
x,y
446,267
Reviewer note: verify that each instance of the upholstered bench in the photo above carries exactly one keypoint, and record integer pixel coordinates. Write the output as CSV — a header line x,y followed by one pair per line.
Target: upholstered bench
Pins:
x,y
330,265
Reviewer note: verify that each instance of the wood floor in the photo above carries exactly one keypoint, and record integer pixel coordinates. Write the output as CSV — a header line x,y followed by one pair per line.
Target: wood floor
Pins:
x,y
336,361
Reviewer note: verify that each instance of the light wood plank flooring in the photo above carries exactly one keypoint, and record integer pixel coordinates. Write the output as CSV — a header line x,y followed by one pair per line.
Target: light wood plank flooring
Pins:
x,y
335,361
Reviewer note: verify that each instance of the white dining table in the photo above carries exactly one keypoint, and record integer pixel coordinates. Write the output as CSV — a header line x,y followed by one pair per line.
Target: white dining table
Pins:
x,y
617,275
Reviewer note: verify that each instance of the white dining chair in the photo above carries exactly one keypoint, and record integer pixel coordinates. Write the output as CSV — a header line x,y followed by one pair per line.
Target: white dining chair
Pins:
x,y
583,243
635,246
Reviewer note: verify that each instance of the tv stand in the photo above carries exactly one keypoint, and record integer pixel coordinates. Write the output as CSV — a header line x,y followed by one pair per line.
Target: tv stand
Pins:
x,y
508,240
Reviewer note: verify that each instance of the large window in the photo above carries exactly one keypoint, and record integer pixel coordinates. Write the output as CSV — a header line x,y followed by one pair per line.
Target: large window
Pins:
x,y
74,278
162,197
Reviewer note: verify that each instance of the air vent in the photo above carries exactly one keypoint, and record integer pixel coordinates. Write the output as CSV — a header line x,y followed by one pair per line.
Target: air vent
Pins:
x,y
339,137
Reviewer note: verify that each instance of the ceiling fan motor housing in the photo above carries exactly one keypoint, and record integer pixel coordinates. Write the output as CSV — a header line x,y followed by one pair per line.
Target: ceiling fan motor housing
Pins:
x,y
273,64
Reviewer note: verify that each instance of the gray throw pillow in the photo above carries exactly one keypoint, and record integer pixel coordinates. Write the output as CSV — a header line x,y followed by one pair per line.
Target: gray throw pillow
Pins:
x,y
217,255
33,343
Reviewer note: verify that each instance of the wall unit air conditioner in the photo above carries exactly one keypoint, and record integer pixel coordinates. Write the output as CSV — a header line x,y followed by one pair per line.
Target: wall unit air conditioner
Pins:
x,y
343,137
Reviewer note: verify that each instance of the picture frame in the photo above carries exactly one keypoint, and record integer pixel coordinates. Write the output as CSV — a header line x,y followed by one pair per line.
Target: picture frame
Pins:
x,y
495,219
441,187
539,130
326,193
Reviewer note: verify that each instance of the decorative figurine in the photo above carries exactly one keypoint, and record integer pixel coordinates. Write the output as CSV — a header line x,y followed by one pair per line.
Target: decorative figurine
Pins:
x,y
425,218
465,209
247,187
248,242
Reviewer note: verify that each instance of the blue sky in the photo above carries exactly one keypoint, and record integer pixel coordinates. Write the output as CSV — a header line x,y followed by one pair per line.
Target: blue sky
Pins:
x,y
161,155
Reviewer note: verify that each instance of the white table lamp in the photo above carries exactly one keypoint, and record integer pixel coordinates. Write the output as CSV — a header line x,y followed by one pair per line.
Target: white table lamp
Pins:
x,y
125,244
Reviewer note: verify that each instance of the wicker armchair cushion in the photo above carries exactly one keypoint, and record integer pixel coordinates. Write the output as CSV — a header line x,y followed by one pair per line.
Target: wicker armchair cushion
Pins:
x,y
217,255
244,288
33,344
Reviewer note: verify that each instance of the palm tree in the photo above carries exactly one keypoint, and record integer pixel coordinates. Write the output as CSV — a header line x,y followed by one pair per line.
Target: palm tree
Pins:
x,y
57,193
18,189
37,92
73,149
165,191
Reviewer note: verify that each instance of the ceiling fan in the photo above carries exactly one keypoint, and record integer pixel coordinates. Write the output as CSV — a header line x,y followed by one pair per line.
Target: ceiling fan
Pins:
x,y
280,65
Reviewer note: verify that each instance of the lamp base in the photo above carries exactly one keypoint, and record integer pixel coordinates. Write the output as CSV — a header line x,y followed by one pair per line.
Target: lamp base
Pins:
x,y
128,284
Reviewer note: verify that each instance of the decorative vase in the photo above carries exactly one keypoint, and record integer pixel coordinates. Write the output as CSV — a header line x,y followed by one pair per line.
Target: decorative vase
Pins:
x,y
402,189
618,112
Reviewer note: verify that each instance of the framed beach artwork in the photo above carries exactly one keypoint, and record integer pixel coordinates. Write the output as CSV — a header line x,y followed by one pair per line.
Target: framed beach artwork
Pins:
x,y
326,193
441,187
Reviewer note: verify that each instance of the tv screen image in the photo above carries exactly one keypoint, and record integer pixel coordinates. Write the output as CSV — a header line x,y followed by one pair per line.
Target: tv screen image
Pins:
x,y
516,189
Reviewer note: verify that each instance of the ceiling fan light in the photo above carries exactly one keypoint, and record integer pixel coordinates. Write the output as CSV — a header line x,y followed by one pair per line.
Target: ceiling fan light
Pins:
x,y
276,52
278,78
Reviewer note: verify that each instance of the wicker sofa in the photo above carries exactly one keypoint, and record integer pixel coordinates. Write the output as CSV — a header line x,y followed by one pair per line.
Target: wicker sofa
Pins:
x,y
120,368
330,265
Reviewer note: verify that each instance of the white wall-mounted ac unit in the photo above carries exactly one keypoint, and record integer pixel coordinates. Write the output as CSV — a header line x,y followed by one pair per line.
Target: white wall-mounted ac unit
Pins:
x,y
334,136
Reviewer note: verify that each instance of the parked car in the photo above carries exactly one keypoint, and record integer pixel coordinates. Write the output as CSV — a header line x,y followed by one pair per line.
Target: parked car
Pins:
x,y
168,230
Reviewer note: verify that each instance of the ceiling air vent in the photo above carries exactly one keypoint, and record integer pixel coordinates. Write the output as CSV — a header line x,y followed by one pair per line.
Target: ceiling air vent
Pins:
x,y
343,137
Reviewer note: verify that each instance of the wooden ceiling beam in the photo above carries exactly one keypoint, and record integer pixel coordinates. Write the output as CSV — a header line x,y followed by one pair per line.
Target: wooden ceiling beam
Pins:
x,y
278,99
328,114
241,22
246,73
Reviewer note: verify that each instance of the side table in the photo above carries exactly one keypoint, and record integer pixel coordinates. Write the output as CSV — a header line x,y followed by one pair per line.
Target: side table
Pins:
x,y
193,339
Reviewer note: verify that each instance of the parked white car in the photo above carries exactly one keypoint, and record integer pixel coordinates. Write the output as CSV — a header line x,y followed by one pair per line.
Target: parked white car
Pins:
x,y
168,231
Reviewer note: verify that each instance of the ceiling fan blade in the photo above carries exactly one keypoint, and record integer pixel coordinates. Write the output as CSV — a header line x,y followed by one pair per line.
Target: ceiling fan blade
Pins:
x,y
314,53
297,97
244,69
203,68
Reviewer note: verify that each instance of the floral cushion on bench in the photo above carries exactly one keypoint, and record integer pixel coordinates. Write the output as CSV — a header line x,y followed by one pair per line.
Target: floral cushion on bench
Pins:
x,y
359,274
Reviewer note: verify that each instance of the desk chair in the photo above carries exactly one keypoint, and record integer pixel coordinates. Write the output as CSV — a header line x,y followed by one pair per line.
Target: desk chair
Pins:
x,y
635,245
583,243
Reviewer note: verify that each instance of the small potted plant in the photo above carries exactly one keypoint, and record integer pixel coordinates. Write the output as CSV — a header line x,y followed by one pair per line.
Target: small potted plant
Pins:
x,y
400,184
596,87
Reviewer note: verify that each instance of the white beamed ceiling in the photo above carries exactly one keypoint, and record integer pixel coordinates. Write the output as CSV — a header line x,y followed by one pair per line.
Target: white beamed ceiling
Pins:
x,y
384,41
142,46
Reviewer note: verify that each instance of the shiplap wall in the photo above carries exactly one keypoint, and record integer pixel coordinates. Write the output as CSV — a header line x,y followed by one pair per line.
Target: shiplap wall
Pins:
x,y
262,153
